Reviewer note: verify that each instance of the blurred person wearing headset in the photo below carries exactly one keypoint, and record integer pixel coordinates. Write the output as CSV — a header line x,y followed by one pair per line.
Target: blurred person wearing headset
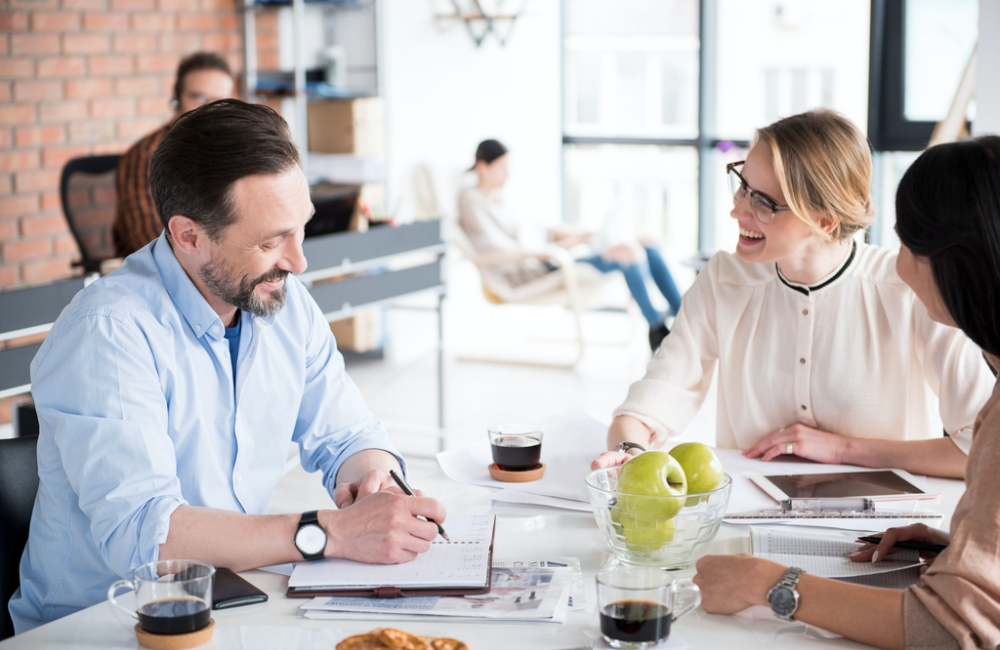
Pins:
x,y
202,78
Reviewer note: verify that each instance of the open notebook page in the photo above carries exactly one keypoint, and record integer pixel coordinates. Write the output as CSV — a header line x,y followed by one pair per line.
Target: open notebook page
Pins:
x,y
462,562
822,553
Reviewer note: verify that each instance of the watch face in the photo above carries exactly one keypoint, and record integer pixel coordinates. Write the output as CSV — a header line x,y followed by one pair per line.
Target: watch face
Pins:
x,y
782,601
310,539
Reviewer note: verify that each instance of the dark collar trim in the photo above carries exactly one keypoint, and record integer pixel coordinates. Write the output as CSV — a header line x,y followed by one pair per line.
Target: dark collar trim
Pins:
x,y
805,291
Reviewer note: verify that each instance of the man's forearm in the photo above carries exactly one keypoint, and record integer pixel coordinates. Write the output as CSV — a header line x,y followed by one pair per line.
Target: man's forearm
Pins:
x,y
231,539
363,462
939,457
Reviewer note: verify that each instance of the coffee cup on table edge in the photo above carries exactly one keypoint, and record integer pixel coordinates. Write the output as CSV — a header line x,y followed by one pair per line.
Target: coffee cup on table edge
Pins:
x,y
636,606
172,597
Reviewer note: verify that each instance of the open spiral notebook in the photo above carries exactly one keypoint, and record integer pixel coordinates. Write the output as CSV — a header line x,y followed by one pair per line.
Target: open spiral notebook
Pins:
x,y
456,568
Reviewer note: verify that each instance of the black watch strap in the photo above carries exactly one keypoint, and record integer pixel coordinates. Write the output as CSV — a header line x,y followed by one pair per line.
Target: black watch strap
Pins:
x,y
625,446
310,518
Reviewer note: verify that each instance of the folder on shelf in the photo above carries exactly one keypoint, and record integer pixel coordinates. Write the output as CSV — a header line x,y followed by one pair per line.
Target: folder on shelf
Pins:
x,y
456,568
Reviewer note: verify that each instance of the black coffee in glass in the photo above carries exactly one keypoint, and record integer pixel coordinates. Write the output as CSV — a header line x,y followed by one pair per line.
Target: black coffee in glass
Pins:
x,y
516,453
635,621
174,615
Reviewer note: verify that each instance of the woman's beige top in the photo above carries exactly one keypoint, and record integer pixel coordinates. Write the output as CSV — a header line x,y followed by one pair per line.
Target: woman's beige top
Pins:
x,y
490,229
855,354
962,588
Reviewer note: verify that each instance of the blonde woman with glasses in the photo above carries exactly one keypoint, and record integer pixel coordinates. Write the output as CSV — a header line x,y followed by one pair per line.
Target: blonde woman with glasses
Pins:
x,y
823,351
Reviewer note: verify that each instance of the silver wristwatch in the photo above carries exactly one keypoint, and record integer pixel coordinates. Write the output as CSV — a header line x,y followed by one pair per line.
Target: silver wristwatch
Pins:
x,y
784,597
625,446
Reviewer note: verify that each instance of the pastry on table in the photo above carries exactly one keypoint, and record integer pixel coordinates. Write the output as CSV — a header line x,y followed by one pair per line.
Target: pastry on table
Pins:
x,y
391,639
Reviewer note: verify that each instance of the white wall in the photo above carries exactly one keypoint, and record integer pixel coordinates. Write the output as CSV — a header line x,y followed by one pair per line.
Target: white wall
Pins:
x,y
988,69
443,95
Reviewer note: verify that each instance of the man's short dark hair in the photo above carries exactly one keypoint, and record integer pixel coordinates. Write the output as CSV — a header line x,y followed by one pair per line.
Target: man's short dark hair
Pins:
x,y
207,150
194,63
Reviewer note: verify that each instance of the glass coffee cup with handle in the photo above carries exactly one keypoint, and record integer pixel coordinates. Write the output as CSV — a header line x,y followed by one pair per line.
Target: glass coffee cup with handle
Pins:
x,y
172,596
637,605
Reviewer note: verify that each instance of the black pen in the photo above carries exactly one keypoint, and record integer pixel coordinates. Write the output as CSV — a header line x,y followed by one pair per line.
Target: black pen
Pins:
x,y
908,545
408,492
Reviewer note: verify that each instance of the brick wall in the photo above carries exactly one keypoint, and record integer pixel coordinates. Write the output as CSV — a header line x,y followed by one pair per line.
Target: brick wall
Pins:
x,y
87,77
81,77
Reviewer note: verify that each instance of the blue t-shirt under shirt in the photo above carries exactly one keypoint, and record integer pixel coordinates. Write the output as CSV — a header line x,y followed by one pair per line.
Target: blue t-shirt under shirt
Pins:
x,y
233,336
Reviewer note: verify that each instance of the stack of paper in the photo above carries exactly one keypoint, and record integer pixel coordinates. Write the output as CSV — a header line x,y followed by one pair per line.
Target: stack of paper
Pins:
x,y
521,591
572,440
825,554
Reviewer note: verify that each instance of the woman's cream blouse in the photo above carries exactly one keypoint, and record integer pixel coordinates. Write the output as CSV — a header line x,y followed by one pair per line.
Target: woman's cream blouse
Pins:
x,y
855,354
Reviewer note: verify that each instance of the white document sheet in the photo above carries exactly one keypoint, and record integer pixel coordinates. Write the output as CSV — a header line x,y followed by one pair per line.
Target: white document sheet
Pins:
x,y
512,496
572,440
822,553
462,562
516,594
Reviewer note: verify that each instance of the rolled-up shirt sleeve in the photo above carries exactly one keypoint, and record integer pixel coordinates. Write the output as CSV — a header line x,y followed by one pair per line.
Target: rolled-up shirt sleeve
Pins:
x,y
97,391
333,422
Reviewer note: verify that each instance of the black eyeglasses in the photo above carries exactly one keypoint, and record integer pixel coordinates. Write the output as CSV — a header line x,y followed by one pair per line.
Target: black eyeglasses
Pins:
x,y
762,206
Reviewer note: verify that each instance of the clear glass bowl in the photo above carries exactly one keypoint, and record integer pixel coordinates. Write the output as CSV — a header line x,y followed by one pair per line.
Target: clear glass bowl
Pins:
x,y
637,535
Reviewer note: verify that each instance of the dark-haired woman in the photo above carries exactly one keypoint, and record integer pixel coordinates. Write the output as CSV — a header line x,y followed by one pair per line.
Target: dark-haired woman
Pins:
x,y
490,228
948,220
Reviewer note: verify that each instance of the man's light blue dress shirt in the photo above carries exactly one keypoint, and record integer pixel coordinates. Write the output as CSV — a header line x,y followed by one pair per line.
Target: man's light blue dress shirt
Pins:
x,y
135,395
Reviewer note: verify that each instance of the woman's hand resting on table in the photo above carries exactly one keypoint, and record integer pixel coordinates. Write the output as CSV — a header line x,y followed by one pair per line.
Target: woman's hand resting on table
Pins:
x,y
806,442
915,532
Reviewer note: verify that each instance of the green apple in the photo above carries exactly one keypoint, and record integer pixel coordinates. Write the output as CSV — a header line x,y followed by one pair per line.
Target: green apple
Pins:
x,y
642,534
702,467
652,475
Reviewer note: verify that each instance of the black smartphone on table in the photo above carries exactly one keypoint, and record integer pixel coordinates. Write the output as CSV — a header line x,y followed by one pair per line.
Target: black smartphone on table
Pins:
x,y
230,590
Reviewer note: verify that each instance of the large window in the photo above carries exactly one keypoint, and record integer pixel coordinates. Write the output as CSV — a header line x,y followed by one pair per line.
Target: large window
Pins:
x,y
775,59
630,119
650,119
919,51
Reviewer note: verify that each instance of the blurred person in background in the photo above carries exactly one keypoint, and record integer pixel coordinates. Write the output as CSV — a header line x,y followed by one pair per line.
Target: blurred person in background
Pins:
x,y
202,78
490,227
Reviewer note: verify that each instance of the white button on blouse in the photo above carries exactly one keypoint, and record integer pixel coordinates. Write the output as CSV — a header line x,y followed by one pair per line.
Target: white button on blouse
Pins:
x,y
855,354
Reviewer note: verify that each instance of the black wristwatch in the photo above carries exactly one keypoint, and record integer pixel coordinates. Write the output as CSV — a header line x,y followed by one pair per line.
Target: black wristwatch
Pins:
x,y
625,446
310,538
784,597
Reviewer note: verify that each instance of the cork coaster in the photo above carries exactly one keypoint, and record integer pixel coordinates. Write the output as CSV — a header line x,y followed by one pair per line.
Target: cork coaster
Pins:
x,y
175,641
522,476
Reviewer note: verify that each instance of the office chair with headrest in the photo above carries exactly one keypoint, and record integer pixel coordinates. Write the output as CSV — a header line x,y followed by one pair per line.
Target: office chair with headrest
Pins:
x,y
87,190
18,485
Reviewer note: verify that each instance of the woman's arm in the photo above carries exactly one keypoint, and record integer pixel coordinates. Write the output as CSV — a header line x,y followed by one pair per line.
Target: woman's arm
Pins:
x,y
732,583
624,428
938,457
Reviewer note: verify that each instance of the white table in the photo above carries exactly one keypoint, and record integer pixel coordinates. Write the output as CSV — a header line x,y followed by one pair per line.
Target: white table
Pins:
x,y
522,532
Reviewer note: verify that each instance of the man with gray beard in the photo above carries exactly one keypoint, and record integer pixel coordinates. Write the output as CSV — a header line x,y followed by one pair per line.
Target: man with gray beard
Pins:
x,y
169,391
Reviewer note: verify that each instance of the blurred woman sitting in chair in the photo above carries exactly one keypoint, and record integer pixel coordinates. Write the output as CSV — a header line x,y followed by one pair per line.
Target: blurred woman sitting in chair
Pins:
x,y
491,228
